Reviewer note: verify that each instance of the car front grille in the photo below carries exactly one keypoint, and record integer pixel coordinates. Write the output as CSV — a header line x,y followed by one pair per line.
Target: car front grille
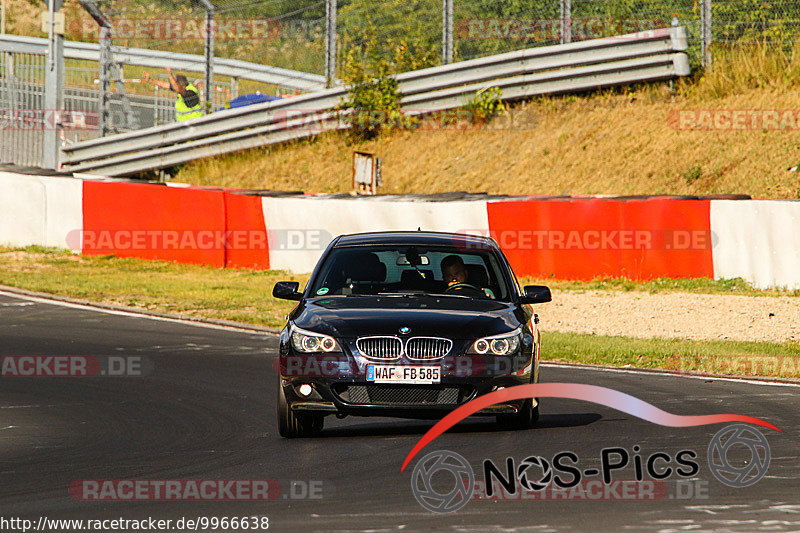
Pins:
x,y
385,348
416,348
403,395
427,348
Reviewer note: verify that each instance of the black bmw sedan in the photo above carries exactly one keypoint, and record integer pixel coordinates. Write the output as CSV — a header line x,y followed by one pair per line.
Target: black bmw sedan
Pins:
x,y
406,324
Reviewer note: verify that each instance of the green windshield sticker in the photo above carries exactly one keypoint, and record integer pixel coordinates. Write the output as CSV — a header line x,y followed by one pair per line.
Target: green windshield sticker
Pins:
x,y
323,290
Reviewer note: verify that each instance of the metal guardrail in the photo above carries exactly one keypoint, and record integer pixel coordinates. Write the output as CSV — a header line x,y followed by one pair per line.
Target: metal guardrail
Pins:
x,y
156,58
581,66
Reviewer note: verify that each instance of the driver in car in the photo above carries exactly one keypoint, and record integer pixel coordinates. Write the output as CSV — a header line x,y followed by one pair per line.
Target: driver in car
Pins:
x,y
455,272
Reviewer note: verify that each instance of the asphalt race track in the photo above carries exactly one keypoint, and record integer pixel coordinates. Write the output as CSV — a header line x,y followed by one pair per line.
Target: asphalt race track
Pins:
x,y
206,411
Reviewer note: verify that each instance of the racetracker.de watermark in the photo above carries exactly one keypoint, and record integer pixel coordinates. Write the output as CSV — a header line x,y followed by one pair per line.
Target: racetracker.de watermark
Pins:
x,y
47,119
595,239
316,365
415,119
174,29
198,239
197,489
750,365
529,29
74,366
734,119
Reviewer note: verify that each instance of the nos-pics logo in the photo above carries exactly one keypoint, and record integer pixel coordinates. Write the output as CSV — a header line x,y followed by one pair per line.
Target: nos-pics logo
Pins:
x,y
443,481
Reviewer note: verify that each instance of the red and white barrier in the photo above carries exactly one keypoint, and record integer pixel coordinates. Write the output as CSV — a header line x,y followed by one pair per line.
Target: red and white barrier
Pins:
x,y
564,238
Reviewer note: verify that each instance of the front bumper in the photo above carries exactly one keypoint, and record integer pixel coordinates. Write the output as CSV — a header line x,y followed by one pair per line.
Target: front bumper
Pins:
x,y
346,392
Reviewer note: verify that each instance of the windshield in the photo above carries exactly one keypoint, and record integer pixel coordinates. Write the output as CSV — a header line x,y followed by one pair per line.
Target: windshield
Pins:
x,y
408,269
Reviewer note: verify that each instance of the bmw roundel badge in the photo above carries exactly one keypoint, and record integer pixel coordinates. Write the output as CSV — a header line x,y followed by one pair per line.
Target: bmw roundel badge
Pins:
x,y
404,330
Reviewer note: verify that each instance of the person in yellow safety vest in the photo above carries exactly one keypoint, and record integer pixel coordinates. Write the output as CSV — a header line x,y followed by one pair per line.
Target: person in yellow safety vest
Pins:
x,y
187,105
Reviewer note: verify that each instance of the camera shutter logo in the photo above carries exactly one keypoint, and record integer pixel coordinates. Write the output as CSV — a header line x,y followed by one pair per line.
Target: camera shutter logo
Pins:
x,y
738,435
525,467
462,485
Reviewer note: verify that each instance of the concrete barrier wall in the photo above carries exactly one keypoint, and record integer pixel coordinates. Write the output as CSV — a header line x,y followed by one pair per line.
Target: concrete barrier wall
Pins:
x,y
64,208
758,240
565,238
39,210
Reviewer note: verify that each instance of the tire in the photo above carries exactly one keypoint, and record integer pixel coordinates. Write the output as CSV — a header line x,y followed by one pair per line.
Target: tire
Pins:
x,y
291,425
526,418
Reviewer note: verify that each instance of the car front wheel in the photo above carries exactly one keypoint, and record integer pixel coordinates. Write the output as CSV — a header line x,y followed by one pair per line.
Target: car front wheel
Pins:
x,y
291,425
526,418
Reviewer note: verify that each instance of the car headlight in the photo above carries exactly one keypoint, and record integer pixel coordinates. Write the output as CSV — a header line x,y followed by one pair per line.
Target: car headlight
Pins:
x,y
310,342
503,344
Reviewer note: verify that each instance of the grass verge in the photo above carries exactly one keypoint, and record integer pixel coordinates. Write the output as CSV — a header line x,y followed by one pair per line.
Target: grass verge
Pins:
x,y
246,296
200,291
715,357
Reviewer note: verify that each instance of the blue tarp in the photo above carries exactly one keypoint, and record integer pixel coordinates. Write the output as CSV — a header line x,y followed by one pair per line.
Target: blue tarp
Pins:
x,y
250,99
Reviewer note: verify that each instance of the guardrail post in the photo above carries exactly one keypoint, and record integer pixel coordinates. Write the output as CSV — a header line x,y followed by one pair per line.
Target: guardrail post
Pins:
x,y
447,31
330,42
234,87
53,97
706,23
566,21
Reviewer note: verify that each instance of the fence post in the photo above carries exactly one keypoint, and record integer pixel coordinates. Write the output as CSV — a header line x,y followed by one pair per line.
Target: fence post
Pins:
x,y
330,42
209,54
707,24
53,96
104,81
447,31
566,21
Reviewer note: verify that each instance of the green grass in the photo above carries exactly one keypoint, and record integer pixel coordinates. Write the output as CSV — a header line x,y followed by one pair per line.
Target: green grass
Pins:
x,y
246,296
718,357
240,295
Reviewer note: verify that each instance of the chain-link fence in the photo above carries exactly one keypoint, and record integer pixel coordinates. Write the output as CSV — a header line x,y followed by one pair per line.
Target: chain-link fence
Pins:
x,y
751,21
292,34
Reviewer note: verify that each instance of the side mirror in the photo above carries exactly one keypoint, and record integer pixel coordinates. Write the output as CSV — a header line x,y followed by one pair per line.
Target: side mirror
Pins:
x,y
536,294
287,290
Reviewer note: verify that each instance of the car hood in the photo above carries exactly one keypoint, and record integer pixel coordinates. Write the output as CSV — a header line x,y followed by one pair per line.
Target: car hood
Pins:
x,y
454,318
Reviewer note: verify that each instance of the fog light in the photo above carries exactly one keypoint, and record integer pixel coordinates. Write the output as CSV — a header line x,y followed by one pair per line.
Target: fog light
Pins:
x,y
305,389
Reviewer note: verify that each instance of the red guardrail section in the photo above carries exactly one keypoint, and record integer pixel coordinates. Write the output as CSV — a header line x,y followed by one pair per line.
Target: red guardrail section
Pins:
x,y
585,239
154,222
568,239
248,244
186,225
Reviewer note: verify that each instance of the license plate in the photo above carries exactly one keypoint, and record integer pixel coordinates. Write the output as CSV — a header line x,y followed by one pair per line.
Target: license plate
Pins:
x,y
418,375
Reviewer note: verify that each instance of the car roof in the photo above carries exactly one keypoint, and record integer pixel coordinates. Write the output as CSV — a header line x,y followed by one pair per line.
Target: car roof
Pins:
x,y
419,238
